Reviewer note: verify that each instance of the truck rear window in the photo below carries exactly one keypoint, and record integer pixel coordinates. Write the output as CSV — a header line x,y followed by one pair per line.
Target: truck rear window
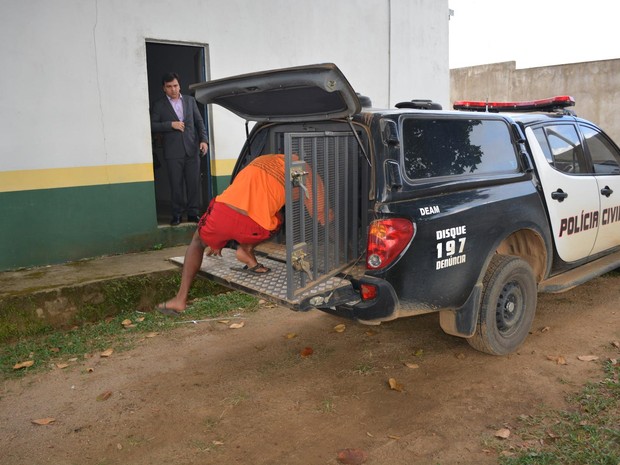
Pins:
x,y
453,147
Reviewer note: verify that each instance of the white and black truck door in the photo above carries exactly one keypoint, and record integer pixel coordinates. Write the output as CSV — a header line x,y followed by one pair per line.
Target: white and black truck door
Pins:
x,y
570,192
605,161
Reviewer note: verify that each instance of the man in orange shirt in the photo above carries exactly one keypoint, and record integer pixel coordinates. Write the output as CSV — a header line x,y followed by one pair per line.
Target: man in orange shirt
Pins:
x,y
248,212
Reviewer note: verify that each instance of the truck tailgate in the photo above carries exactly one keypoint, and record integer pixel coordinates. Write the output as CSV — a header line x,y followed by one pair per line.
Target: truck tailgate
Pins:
x,y
271,286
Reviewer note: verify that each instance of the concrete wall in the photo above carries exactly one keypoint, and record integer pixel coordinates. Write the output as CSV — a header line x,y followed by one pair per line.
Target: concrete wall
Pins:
x,y
594,85
76,69
76,170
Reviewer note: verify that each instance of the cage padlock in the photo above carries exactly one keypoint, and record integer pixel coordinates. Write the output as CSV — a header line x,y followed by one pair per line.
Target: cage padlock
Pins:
x,y
301,264
297,179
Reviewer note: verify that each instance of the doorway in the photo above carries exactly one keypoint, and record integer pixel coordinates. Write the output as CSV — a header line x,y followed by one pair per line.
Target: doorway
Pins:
x,y
190,63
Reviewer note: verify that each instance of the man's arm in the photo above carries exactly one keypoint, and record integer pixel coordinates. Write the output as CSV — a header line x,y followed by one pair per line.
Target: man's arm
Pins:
x,y
201,130
158,123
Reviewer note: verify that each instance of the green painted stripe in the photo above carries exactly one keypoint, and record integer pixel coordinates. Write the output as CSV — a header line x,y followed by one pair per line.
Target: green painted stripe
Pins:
x,y
48,226
220,183
27,180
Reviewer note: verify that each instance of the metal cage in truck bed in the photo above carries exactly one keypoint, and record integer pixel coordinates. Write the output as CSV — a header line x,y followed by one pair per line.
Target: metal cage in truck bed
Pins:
x,y
324,218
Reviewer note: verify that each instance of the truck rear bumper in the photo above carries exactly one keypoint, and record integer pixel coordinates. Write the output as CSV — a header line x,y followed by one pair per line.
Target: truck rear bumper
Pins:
x,y
347,302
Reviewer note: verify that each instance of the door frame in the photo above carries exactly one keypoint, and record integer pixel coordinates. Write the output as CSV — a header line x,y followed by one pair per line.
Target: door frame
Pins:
x,y
164,56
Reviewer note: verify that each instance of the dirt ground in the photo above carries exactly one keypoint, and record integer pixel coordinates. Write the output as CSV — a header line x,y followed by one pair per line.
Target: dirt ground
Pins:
x,y
208,394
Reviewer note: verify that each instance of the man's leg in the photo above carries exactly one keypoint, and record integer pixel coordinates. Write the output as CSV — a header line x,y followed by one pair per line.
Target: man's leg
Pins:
x,y
175,177
192,184
191,265
245,254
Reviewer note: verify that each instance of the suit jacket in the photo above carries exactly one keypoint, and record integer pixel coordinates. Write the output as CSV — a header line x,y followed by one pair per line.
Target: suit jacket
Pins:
x,y
179,144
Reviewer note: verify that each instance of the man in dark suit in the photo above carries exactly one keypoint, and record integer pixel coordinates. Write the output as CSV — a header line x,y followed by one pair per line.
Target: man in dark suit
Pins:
x,y
178,119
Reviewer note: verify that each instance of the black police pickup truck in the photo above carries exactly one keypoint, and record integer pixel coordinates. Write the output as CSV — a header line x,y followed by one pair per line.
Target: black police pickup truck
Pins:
x,y
468,213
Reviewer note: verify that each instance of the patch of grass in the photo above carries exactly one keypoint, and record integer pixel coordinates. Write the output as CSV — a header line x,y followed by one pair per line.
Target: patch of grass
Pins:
x,y
236,399
210,423
55,346
363,369
587,433
269,367
200,445
327,406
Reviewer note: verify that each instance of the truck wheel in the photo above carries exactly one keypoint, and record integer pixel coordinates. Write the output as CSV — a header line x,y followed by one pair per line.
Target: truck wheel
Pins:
x,y
508,305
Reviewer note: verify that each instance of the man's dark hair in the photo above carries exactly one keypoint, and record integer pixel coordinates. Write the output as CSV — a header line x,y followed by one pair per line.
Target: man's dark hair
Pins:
x,y
169,77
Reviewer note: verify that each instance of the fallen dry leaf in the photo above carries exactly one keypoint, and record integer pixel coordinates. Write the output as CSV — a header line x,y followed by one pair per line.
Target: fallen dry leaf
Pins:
x,y
90,370
306,351
394,385
587,358
26,364
55,349
557,359
153,334
545,329
73,359
62,365
104,396
43,421
237,325
126,322
140,319
391,436
419,352
107,353
218,443
616,344
411,365
371,332
340,328
291,336
224,322
352,456
503,433
460,356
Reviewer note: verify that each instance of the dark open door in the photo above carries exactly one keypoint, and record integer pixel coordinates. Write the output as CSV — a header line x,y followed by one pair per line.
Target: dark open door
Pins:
x,y
189,61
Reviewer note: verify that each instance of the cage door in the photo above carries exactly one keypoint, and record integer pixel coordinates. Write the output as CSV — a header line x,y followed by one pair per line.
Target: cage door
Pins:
x,y
322,206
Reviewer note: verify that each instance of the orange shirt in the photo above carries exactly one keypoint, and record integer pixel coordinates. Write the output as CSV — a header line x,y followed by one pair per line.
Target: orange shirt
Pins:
x,y
258,190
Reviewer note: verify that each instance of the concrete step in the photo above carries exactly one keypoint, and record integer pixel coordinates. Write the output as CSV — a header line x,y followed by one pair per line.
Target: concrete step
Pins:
x,y
54,295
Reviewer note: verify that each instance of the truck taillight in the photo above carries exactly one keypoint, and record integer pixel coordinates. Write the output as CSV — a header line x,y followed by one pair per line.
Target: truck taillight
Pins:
x,y
387,238
368,291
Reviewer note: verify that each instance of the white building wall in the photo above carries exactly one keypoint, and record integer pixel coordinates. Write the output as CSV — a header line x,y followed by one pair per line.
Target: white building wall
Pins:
x,y
74,77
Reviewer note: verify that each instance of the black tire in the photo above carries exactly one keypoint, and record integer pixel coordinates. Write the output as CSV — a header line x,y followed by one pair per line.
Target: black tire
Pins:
x,y
508,306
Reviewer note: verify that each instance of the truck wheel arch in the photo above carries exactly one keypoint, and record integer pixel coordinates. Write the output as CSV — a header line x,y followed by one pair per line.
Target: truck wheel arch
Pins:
x,y
526,244
530,246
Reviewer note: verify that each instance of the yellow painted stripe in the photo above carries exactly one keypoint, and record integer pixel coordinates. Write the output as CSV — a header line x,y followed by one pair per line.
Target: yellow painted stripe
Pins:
x,y
223,167
54,178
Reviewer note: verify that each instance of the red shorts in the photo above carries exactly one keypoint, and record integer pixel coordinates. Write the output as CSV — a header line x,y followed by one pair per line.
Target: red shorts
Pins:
x,y
221,224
